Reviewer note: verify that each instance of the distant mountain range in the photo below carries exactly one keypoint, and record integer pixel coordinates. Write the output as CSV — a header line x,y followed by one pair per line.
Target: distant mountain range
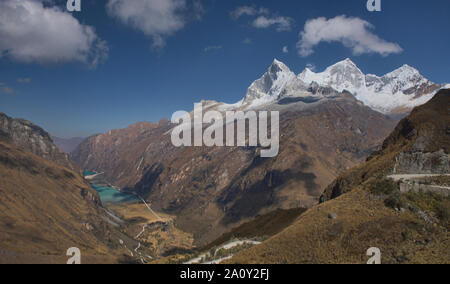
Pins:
x,y
397,92
67,145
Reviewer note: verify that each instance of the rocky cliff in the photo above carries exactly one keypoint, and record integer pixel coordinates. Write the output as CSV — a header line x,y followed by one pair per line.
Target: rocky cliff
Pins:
x,y
33,138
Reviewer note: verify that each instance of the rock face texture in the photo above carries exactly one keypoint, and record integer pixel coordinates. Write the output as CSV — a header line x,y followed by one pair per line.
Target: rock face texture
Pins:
x,y
33,138
422,163
211,190
420,144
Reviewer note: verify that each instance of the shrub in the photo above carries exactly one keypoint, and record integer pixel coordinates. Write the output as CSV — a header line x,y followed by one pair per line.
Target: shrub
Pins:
x,y
443,212
383,187
395,201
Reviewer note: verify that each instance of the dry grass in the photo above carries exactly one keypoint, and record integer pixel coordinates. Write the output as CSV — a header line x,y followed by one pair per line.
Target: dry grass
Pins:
x,y
363,221
136,213
44,208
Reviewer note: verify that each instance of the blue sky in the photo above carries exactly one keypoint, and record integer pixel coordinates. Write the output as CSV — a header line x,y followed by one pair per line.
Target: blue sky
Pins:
x,y
152,68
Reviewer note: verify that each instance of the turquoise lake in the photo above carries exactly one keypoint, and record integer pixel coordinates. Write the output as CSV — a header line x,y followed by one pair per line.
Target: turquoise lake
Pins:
x,y
111,195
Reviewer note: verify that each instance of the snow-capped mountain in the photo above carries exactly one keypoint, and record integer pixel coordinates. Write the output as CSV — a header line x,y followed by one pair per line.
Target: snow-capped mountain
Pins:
x,y
404,88
396,92
270,85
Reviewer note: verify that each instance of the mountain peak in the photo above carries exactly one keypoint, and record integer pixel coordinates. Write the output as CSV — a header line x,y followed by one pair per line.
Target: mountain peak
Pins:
x,y
278,66
346,62
277,62
270,85
405,73
406,68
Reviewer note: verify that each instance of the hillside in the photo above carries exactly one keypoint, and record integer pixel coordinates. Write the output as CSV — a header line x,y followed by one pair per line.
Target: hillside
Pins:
x,y
421,138
212,190
362,209
46,207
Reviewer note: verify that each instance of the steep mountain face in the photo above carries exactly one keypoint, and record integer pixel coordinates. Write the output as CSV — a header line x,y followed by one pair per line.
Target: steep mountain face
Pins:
x,y
32,138
269,86
420,144
67,145
396,92
117,153
362,209
211,190
46,207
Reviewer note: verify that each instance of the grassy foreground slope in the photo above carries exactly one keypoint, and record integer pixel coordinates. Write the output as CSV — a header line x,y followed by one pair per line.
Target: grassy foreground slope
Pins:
x,y
46,209
362,209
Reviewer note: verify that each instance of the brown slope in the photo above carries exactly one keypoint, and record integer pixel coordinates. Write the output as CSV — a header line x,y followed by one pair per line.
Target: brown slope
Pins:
x,y
421,138
212,190
363,218
46,209
115,153
363,221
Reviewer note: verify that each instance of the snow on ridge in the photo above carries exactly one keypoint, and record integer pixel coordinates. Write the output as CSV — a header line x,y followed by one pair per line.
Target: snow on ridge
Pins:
x,y
385,93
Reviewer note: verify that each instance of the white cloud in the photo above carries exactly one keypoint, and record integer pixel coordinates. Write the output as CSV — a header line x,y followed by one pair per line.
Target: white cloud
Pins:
x,y
212,48
157,19
4,89
248,11
32,32
282,23
247,41
7,90
24,80
265,18
353,33
285,49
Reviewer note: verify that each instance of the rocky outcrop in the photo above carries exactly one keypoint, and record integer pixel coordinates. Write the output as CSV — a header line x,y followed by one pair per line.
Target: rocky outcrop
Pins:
x,y
33,138
422,163
408,186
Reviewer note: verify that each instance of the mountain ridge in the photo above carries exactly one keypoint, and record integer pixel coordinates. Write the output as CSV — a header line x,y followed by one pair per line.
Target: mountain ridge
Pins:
x,y
363,208
396,92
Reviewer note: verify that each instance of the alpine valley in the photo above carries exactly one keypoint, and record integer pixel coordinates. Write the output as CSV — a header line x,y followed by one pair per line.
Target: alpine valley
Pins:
x,y
343,133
